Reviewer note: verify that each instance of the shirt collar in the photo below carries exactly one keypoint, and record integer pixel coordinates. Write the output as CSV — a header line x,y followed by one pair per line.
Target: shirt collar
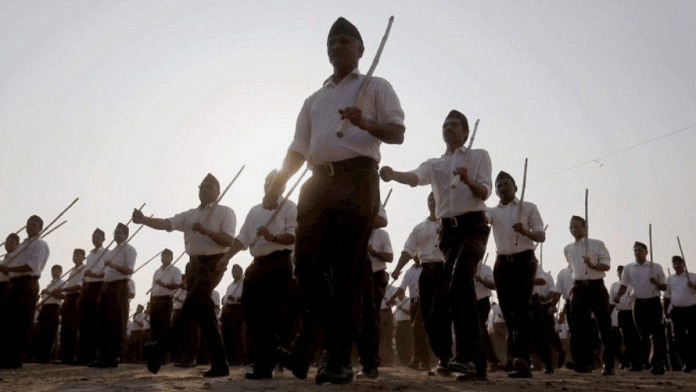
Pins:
x,y
353,74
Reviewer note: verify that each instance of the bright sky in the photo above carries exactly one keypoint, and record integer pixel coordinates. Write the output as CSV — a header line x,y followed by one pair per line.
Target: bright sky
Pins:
x,y
130,102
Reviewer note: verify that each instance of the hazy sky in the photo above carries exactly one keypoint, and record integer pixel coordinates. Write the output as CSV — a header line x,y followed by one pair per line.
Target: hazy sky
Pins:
x,y
121,103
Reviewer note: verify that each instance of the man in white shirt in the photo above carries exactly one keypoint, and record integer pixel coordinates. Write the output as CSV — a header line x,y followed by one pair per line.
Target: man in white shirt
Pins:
x,y
484,284
681,295
589,260
461,182
119,266
338,204
70,311
267,279
647,280
624,316
165,281
516,228
374,284
11,245
233,319
208,234
422,245
49,317
24,270
90,325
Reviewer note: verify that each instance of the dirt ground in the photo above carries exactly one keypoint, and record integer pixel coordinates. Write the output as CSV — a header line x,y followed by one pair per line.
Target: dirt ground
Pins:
x,y
38,378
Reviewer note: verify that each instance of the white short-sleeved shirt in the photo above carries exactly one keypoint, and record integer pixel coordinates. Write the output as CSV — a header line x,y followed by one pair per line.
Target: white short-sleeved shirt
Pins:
x,y
453,201
543,290
638,276
139,318
215,296
76,276
596,251
284,223
678,291
168,275
49,299
403,309
233,295
315,131
35,256
496,315
213,217
95,263
503,216
379,241
564,282
486,273
122,255
387,294
626,300
179,298
410,281
424,241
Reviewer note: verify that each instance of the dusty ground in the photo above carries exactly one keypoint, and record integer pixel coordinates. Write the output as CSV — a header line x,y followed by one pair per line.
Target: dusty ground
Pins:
x,y
36,378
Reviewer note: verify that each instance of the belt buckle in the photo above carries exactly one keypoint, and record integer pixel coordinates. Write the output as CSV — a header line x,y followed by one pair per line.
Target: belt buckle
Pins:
x,y
453,221
328,169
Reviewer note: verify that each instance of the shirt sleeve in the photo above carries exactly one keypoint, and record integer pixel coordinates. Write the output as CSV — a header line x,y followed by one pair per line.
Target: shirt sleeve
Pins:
x,y
660,276
626,277
411,245
423,172
290,218
385,243
303,130
130,255
559,284
178,221
535,222
387,102
668,292
603,254
484,173
229,222
245,237
38,254
176,278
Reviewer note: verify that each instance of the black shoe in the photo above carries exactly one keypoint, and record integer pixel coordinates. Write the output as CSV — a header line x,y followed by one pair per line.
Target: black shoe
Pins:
x,y
442,368
151,353
560,359
472,377
657,370
258,374
548,369
522,369
468,369
368,372
635,369
291,361
217,372
343,375
607,370
185,364
688,368
108,364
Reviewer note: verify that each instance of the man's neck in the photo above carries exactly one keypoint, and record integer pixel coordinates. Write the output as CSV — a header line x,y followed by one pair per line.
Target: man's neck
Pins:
x,y
451,148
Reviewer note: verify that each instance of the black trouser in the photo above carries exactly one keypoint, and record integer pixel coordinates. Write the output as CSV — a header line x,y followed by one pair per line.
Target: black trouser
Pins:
x,y
114,308
434,306
266,283
421,351
514,282
647,314
589,297
629,336
69,326
46,330
335,215
463,242
201,278
160,318
91,321
403,337
3,325
373,286
181,338
22,295
233,333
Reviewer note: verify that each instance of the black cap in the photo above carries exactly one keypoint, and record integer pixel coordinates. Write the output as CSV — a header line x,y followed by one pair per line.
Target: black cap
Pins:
x,y
343,26
640,245
502,175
